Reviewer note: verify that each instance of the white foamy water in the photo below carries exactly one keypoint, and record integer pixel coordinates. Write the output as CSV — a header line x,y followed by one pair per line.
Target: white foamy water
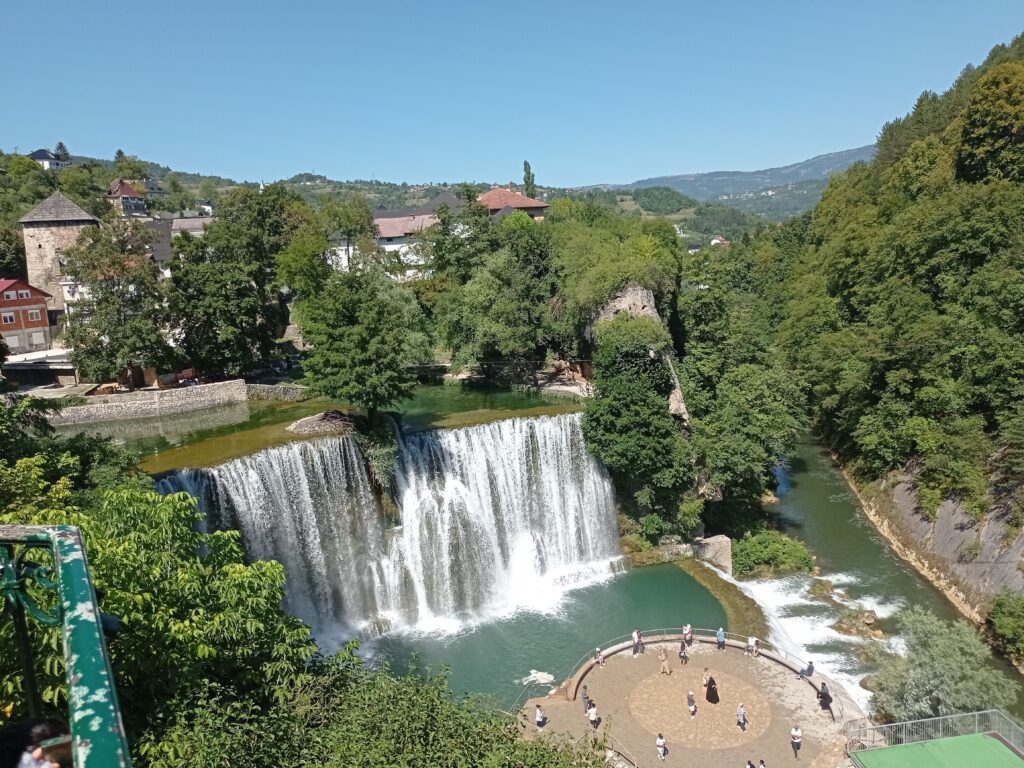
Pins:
x,y
492,519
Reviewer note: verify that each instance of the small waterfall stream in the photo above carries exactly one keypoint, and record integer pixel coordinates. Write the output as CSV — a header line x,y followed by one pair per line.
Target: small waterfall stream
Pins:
x,y
493,518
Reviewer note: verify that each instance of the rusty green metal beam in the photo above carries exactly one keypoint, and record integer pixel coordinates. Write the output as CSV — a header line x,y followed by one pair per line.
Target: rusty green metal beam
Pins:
x,y
94,716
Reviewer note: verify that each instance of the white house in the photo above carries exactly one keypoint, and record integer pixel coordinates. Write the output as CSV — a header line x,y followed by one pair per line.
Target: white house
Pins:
x,y
48,160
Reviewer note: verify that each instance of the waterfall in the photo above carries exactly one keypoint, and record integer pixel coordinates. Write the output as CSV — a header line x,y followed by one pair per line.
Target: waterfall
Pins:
x,y
492,519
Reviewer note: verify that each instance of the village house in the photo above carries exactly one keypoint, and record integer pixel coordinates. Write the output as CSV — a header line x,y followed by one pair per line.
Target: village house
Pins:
x,y
49,229
125,198
502,201
24,323
48,160
719,240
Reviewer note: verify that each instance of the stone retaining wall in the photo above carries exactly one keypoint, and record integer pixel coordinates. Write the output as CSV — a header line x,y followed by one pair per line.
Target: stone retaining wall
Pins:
x,y
138,405
284,392
716,550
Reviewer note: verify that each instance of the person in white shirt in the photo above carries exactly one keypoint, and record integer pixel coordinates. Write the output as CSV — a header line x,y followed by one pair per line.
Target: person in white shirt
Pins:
x,y
795,737
659,744
592,715
540,718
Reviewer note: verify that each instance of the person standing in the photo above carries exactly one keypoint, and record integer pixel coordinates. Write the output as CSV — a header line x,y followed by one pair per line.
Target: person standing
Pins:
x,y
540,719
760,764
691,704
663,658
688,635
598,657
741,717
720,638
636,642
586,700
712,693
704,677
795,737
750,764
659,744
684,657
592,714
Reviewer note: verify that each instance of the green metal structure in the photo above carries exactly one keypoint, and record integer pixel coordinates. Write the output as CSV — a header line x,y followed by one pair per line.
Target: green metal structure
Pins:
x,y
94,716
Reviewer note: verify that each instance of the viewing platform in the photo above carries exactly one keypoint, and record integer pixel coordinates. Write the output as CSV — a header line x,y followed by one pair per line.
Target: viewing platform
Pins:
x,y
636,702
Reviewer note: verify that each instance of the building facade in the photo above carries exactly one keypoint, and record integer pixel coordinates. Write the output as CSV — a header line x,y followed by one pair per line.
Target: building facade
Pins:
x,y
49,229
24,324
125,198
48,160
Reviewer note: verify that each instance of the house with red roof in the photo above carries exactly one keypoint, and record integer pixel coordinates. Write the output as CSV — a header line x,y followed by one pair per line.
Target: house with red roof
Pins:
x,y
24,324
502,201
126,198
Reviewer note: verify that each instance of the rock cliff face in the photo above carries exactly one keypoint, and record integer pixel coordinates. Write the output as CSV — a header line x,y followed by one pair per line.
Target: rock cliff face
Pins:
x,y
639,302
970,560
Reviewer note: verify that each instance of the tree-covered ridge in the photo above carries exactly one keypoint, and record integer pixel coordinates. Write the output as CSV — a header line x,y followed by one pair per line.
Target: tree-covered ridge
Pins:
x,y
902,311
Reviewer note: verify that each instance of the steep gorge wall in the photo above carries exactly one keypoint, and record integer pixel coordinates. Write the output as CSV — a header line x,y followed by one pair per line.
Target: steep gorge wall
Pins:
x,y
970,560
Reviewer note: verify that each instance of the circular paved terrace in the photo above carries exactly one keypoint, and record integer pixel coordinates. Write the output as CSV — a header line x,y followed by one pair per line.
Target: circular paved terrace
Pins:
x,y
636,702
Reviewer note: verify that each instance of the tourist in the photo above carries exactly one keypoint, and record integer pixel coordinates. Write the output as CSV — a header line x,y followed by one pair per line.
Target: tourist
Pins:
x,y
659,744
795,736
684,657
712,692
741,717
691,704
757,648
825,701
760,764
750,764
688,635
540,718
806,672
704,677
636,642
720,637
663,658
586,700
592,715
640,639
598,657
751,642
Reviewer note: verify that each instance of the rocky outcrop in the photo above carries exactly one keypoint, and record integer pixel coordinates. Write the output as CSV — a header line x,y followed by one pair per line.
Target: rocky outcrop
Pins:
x,y
326,423
638,301
716,550
969,560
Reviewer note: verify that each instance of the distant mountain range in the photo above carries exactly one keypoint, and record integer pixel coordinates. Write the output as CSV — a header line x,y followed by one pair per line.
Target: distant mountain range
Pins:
x,y
775,193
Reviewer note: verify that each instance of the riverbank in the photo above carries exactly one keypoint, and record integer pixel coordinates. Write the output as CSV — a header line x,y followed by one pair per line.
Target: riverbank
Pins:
x,y
880,510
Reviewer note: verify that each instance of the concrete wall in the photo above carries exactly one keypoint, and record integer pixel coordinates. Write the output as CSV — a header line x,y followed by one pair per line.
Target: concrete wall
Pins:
x,y
716,550
138,405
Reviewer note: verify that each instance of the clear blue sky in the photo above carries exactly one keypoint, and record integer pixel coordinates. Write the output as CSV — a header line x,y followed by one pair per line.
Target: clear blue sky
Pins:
x,y
444,90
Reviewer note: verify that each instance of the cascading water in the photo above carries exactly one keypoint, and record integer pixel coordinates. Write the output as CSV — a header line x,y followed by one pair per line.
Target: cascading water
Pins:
x,y
493,518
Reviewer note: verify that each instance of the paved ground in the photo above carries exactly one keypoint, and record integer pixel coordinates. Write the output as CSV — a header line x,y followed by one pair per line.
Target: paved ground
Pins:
x,y
636,702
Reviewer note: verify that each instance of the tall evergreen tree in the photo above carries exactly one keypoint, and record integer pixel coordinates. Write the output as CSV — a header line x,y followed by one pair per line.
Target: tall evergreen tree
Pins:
x,y
529,182
61,151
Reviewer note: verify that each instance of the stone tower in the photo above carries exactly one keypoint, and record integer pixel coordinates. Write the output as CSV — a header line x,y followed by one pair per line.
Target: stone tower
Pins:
x,y
49,229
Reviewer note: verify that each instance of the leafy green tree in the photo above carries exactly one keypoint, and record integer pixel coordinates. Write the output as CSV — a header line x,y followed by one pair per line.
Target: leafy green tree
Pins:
x,y
351,217
12,254
1006,618
302,265
117,324
129,166
529,182
366,332
770,550
662,200
946,670
992,138
61,151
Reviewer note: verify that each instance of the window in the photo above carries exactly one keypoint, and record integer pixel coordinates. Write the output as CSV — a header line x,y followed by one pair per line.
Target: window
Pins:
x,y
33,314
8,318
24,294
10,295
12,341
38,338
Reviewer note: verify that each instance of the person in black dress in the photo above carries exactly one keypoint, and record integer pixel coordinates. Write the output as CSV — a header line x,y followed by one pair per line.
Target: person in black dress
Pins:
x,y
712,691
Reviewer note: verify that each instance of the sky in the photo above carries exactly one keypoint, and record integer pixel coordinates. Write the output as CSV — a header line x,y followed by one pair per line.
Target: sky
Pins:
x,y
449,90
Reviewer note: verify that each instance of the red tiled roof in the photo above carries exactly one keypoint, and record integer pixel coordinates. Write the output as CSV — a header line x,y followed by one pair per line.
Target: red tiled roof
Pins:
x,y
496,199
6,284
121,188
405,225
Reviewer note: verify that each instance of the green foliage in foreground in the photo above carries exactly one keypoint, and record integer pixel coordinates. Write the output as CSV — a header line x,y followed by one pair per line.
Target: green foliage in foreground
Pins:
x,y
1006,618
769,550
946,670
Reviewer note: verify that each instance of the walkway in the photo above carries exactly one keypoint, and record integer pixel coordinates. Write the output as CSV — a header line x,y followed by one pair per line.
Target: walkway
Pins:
x,y
636,702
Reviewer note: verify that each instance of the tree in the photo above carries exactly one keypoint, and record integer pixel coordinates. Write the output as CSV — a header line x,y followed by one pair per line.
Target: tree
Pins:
x,y
351,217
12,254
61,151
129,166
366,332
1006,618
118,322
946,670
992,138
529,182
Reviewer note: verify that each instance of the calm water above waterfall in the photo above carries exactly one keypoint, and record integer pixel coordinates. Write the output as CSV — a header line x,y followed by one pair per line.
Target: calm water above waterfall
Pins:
x,y
493,518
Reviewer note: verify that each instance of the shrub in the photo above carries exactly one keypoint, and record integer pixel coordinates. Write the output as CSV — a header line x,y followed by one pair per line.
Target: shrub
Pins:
x,y
1006,619
771,550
